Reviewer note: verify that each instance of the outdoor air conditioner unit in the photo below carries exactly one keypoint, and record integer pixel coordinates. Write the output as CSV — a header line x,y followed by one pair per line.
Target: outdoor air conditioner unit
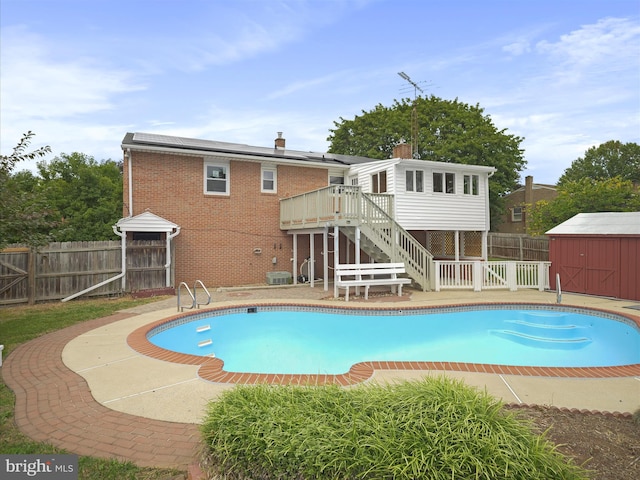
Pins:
x,y
278,278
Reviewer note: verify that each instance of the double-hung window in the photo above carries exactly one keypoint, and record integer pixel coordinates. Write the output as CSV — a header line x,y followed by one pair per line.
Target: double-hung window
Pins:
x,y
414,181
269,179
471,185
516,214
444,182
216,178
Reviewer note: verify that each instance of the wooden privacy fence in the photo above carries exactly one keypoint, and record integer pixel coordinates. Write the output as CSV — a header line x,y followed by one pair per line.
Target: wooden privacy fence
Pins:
x,y
514,246
59,270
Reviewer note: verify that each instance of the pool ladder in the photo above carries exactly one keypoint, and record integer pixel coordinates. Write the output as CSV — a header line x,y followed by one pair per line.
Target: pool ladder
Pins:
x,y
194,295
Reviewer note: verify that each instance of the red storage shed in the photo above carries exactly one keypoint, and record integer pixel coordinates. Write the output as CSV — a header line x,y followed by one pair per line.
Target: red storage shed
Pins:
x,y
597,254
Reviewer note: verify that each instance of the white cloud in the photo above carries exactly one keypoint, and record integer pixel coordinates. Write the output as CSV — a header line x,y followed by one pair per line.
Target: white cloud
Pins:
x,y
610,42
35,85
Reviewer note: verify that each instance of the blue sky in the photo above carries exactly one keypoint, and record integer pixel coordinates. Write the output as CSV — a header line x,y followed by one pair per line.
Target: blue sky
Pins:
x,y
563,74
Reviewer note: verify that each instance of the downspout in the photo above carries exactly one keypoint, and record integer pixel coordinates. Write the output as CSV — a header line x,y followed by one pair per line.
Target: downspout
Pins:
x,y
485,234
129,170
168,265
109,280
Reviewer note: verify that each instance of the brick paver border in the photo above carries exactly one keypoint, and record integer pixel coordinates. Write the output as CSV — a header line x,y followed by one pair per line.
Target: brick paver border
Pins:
x,y
55,405
212,369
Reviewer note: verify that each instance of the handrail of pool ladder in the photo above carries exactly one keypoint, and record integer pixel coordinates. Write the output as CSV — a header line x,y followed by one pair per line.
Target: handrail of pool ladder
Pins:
x,y
193,298
197,304
558,289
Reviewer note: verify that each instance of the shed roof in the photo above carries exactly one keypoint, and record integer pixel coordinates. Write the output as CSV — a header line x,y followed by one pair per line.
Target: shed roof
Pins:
x,y
146,222
601,223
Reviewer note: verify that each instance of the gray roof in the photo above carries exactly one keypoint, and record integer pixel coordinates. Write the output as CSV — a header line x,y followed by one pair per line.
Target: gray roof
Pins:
x,y
146,222
602,223
141,140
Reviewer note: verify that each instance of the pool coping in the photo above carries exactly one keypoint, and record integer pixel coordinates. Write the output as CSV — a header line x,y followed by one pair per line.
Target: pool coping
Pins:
x,y
212,369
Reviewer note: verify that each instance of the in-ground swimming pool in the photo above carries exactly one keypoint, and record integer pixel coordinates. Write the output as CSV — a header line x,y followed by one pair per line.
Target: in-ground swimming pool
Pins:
x,y
299,340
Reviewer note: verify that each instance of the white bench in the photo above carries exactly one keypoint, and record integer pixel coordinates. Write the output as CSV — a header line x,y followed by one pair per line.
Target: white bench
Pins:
x,y
367,275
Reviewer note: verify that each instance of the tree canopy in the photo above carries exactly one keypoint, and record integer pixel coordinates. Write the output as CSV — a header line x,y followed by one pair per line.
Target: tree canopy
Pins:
x,y
25,214
586,195
608,160
72,198
87,194
448,131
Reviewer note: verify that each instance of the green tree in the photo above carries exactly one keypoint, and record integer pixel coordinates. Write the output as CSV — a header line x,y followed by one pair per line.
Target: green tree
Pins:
x,y
586,195
448,131
86,193
25,215
611,159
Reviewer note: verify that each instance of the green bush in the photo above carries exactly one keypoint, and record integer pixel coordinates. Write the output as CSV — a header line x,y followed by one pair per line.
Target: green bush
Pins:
x,y
437,428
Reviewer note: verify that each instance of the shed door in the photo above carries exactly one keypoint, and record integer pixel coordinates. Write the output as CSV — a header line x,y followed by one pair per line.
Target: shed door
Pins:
x,y
569,256
603,266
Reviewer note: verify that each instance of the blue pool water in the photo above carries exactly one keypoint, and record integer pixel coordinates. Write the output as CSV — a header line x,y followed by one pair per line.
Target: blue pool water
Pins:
x,y
314,342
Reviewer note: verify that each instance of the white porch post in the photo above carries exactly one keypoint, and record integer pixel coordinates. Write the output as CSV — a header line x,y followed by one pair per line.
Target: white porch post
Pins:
x,y
485,250
123,259
311,263
336,257
456,240
325,257
294,260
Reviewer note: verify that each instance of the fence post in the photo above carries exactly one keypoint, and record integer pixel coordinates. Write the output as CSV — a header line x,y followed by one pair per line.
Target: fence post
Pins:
x,y
512,279
477,276
436,275
31,276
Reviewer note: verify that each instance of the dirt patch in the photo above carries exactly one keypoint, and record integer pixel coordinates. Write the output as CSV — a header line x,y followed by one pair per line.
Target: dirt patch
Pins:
x,y
607,445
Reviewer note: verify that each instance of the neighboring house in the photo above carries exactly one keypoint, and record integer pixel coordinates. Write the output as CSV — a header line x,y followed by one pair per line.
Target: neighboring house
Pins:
x,y
244,212
597,254
515,217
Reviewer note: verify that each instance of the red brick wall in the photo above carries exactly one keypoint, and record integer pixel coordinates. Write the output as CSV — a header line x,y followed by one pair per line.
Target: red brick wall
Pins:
x,y
219,234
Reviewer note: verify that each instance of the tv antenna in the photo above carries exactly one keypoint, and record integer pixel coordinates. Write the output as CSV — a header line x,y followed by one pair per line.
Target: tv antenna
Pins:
x,y
414,114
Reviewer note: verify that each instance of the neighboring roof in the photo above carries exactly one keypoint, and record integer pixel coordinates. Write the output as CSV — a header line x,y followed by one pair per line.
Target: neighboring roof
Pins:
x,y
603,223
535,186
146,222
193,145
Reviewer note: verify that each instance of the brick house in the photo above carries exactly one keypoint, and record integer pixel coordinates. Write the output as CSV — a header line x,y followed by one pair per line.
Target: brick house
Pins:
x,y
246,212
515,218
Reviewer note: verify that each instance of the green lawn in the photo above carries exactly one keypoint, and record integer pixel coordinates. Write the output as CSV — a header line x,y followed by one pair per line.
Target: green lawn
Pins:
x,y
23,323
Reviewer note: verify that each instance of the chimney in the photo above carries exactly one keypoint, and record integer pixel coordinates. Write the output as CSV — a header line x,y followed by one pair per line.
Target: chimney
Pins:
x,y
403,150
528,189
279,142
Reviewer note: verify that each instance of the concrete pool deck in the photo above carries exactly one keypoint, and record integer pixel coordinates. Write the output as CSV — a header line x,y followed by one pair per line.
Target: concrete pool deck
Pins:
x,y
84,389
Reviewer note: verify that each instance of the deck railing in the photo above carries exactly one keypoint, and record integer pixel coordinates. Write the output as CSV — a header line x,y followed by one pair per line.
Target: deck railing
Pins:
x,y
332,203
348,206
479,275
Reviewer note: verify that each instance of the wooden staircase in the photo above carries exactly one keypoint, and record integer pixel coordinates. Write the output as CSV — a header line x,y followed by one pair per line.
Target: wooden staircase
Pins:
x,y
381,237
